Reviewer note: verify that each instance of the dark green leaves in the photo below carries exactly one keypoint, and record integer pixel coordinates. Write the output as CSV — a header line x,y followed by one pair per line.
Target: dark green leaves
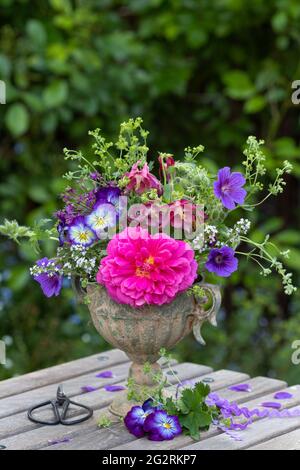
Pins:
x,y
194,415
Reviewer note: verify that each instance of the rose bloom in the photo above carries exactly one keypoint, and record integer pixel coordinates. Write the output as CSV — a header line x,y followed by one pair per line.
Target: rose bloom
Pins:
x,y
143,269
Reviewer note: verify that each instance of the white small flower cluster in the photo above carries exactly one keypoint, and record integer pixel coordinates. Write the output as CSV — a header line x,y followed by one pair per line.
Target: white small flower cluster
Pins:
x,y
81,260
50,268
206,239
242,227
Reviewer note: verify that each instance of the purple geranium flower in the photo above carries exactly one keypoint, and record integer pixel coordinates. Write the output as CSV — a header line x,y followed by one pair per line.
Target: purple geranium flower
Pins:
x,y
80,233
160,426
51,283
228,188
135,418
222,261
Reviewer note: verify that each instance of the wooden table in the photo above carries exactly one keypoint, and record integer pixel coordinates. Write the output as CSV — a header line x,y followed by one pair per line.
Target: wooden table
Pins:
x,y
18,394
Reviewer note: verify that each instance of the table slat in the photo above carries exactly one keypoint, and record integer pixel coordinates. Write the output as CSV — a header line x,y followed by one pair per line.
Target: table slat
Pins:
x,y
289,441
37,436
261,430
59,373
116,436
259,386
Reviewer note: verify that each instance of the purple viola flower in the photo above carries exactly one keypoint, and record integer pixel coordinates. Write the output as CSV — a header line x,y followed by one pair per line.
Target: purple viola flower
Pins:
x,y
135,419
160,426
222,261
103,217
80,233
50,282
109,194
228,188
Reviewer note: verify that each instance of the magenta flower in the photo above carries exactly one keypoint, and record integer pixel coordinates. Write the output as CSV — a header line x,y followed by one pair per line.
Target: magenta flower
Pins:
x,y
135,419
160,426
222,261
51,283
228,188
143,269
142,180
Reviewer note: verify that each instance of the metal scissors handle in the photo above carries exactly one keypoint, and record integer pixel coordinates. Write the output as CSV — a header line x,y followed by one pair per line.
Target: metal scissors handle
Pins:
x,y
60,407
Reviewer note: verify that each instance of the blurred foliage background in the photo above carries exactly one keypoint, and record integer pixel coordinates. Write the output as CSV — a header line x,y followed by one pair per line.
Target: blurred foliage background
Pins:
x,y
198,71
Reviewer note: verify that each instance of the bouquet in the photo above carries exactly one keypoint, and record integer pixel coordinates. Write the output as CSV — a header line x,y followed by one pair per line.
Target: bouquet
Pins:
x,y
146,238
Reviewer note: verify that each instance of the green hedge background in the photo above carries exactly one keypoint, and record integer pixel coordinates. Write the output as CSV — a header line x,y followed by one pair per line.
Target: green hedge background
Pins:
x,y
198,71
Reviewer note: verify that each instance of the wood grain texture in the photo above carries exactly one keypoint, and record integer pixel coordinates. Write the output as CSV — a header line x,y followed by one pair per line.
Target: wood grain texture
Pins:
x,y
18,433
61,372
289,441
121,438
259,386
261,430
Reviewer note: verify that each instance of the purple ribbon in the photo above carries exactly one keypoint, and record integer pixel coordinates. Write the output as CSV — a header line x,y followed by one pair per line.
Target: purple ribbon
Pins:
x,y
229,410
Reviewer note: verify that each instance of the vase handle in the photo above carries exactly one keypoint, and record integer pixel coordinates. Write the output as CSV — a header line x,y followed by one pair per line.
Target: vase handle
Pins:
x,y
80,292
201,315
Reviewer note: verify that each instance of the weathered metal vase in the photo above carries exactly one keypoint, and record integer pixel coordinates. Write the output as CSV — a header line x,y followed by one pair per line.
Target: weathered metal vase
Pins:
x,y
141,333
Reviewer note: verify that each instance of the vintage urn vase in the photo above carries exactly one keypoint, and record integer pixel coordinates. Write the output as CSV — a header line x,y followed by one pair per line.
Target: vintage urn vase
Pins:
x,y
142,332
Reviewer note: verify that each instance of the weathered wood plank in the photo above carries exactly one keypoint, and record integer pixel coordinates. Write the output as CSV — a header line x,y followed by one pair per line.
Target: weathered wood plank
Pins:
x,y
38,437
259,386
59,373
116,436
17,423
260,431
289,441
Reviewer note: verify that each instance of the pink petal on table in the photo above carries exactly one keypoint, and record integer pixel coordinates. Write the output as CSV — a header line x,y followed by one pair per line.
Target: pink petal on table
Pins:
x,y
88,389
107,374
240,388
271,404
283,396
114,388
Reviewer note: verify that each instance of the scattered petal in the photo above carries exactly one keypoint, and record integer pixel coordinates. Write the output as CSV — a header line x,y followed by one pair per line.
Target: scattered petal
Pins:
x,y
271,404
240,388
107,374
114,388
88,389
283,396
53,442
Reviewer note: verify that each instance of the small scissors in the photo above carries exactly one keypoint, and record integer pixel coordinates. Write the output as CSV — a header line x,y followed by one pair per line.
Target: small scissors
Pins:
x,y
60,407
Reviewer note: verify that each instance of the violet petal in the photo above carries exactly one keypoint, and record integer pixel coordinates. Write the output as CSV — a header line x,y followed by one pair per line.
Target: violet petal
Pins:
x,y
114,388
53,442
240,388
283,396
271,404
88,389
107,374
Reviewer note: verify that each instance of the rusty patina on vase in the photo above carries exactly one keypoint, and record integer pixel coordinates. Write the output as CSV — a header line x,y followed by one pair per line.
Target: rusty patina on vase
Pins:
x,y
141,333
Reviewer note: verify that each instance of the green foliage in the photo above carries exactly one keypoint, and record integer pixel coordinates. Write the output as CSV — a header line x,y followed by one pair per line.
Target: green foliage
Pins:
x,y
193,413
197,71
